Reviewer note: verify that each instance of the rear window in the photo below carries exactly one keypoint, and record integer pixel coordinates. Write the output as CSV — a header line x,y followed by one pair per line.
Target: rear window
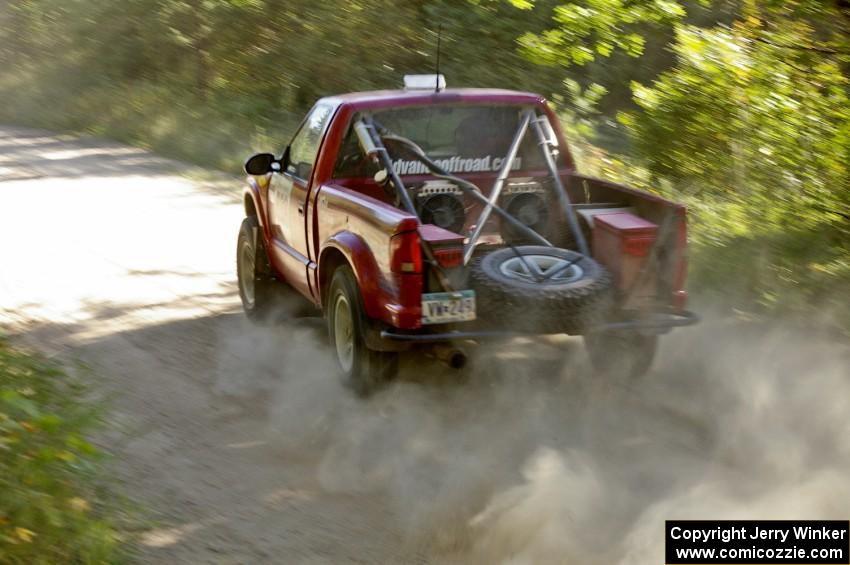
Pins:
x,y
462,139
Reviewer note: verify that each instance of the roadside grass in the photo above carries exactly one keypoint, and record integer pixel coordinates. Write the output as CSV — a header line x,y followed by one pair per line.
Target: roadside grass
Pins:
x,y
56,505
799,275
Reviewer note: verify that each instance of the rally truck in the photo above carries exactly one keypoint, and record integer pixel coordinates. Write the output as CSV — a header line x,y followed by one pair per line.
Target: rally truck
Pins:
x,y
428,217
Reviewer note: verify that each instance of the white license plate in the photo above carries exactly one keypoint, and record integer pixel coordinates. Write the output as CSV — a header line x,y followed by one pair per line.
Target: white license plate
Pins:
x,y
444,307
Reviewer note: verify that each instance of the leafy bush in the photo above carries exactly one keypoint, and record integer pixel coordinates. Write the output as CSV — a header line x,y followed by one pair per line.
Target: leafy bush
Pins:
x,y
757,138
51,506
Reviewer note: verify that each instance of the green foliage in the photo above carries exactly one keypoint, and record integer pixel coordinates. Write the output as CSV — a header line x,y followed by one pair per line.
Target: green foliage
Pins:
x,y
595,28
742,116
51,510
749,124
756,134
210,80
798,270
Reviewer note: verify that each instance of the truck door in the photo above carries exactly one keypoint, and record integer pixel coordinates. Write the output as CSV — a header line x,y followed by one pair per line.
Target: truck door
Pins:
x,y
288,199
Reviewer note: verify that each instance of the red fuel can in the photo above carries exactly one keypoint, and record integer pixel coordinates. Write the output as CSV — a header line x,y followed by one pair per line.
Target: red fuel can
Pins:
x,y
621,242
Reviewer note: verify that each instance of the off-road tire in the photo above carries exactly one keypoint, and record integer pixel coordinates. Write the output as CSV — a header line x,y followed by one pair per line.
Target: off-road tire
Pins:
x,y
541,307
621,355
367,369
258,302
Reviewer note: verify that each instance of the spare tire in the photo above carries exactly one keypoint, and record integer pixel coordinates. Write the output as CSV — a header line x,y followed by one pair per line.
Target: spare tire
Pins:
x,y
514,292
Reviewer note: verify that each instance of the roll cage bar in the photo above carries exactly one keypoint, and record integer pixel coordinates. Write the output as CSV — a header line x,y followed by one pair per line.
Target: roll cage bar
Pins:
x,y
371,135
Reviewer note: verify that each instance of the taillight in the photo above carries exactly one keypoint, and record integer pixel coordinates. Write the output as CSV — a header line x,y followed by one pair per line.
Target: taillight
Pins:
x,y
449,257
405,253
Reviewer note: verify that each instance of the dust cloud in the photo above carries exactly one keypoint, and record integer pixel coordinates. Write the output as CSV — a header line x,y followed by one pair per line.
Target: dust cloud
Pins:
x,y
526,457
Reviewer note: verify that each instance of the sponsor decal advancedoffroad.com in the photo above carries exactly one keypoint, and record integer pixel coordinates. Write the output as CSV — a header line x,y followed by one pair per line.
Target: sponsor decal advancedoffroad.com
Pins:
x,y
456,165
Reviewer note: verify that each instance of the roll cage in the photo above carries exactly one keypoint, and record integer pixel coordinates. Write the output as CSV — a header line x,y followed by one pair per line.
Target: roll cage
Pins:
x,y
371,136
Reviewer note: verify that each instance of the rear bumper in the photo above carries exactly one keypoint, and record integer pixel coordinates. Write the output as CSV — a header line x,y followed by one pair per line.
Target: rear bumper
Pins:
x,y
658,322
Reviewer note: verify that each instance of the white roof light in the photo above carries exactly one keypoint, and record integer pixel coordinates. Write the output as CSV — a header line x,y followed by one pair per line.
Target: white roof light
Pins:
x,y
424,82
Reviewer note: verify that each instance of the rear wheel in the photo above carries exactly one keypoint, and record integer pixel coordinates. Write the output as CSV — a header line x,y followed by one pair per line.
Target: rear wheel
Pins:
x,y
621,355
363,369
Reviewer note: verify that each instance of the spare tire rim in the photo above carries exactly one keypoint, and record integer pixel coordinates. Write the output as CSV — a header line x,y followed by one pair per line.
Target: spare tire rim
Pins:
x,y
544,269
344,332
246,273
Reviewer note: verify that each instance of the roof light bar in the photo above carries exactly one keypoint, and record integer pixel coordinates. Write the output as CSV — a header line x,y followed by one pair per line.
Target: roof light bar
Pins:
x,y
424,82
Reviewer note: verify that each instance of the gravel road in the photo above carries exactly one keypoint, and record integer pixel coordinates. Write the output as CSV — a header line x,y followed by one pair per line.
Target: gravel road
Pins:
x,y
243,447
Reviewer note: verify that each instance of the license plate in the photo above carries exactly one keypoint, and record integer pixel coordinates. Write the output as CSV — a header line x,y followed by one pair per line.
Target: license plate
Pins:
x,y
444,307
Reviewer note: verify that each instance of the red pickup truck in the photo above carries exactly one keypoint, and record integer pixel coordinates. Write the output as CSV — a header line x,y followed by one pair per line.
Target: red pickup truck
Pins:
x,y
432,217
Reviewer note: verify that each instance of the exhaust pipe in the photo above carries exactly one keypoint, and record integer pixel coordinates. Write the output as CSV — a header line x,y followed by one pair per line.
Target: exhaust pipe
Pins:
x,y
451,356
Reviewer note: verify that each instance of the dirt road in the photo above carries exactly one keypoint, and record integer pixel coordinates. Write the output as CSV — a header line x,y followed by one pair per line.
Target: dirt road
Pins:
x,y
245,448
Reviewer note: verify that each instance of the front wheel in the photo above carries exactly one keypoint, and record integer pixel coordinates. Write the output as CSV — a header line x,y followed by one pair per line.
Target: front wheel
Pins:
x,y
621,355
256,284
362,368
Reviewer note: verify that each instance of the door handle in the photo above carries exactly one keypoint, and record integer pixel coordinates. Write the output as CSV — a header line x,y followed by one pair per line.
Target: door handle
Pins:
x,y
301,210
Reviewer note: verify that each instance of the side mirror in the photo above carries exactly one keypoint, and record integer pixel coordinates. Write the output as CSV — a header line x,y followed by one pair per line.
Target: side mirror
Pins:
x,y
261,164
